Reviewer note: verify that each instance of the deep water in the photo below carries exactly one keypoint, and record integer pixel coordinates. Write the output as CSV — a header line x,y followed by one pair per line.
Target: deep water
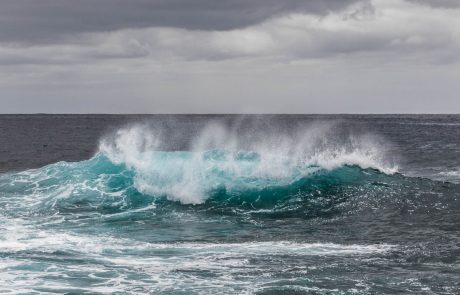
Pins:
x,y
272,204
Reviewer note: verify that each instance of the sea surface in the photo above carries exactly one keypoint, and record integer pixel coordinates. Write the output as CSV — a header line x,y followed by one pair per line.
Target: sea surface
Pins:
x,y
226,204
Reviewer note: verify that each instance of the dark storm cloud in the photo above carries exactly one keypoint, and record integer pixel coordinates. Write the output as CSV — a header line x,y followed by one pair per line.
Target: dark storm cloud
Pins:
x,y
47,20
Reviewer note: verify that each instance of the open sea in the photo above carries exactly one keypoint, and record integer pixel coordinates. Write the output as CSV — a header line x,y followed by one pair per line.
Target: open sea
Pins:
x,y
227,204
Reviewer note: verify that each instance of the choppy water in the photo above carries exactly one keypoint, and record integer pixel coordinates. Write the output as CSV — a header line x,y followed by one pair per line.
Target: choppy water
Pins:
x,y
230,205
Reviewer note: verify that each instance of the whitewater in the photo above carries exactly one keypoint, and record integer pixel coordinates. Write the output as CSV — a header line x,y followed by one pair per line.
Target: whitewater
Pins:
x,y
237,205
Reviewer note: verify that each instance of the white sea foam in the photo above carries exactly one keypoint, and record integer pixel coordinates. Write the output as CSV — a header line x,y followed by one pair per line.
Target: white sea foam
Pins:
x,y
16,235
111,261
453,176
223,156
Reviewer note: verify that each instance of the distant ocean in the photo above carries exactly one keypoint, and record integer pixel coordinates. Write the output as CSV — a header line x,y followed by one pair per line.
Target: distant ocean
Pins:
x,y
226,204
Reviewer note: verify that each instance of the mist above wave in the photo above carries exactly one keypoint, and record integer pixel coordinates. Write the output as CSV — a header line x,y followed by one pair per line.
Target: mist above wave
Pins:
x,y
241,156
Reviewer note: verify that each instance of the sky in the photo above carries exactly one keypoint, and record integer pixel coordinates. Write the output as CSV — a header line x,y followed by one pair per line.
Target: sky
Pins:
x,y
232,56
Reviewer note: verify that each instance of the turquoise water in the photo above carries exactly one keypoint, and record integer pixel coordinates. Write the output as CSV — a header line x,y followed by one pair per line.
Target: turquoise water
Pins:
x,y
264,218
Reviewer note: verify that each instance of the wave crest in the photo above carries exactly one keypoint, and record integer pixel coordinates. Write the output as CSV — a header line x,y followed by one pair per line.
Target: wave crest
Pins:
x,y
236,159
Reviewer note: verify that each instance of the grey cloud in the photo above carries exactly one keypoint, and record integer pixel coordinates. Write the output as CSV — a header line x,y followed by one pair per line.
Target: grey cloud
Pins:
x,y
228,56
439,3
361,29
47,20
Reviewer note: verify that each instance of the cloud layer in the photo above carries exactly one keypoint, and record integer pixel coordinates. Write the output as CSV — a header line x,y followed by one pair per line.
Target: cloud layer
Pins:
x,y
46,20
383,26
55,46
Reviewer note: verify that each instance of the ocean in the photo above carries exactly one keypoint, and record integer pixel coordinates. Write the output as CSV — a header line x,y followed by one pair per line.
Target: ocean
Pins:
x,y
230,204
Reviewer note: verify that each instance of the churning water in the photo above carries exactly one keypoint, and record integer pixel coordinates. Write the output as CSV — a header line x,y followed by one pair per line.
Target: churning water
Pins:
x,y
230,205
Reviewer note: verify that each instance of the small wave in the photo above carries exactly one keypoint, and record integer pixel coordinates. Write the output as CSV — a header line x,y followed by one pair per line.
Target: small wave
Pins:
x,y
451,176
171,266
18,236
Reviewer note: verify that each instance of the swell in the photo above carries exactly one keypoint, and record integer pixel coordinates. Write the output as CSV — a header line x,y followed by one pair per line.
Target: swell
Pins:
x,y
98,193
310,174
99,184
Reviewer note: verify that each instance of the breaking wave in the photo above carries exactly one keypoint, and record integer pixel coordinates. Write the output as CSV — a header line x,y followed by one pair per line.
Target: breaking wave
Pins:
x,y
221,168
220,160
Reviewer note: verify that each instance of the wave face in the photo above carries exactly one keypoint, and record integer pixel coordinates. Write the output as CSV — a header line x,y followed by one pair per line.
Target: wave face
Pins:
x,y
234,179
227,213
129,165
220,161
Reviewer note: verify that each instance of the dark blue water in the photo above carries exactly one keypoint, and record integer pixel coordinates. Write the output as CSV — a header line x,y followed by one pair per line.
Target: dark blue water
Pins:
x,y
275,204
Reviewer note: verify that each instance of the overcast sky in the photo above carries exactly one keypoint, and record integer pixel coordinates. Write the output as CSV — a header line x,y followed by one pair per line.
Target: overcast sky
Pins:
x,y
230,56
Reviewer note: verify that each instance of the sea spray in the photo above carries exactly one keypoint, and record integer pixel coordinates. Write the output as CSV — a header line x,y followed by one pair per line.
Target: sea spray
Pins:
x,y
223,158
234,206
